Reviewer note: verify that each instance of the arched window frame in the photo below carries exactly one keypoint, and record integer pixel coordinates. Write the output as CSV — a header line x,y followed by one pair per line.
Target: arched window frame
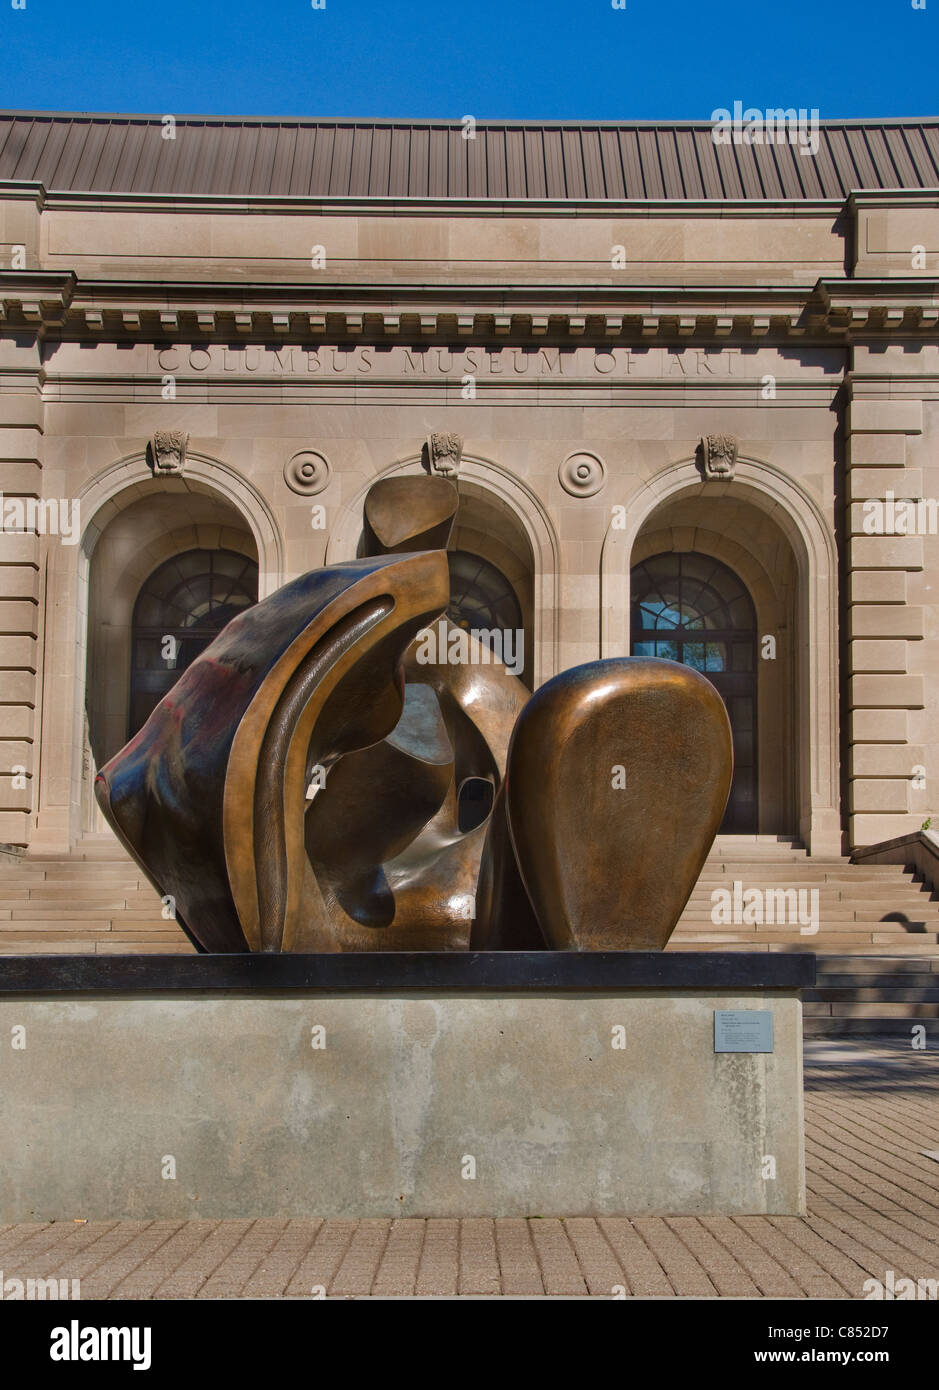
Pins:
x,y
162,613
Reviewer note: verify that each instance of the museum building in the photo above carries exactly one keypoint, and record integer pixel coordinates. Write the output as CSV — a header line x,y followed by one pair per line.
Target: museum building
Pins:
x,y
688,390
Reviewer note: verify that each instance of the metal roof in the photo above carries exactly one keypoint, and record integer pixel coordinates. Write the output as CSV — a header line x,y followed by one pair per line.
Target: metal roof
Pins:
x,y
564,161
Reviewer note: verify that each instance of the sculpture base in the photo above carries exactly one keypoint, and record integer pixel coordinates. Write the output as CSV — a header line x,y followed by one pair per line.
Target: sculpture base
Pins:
x,y
235,1086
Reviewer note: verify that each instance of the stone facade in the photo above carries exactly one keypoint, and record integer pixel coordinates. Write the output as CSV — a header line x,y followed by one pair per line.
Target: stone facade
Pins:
x,y
232,374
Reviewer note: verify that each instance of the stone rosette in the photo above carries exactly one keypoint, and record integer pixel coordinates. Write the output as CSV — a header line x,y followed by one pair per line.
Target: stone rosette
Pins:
x,y
582,474
307,473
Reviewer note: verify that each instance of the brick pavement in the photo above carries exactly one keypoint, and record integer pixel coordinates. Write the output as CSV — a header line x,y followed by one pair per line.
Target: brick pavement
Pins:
x,y
873,1200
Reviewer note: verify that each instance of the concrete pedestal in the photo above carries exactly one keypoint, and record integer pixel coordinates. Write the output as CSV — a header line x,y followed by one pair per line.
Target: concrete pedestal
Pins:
x,y
500,1085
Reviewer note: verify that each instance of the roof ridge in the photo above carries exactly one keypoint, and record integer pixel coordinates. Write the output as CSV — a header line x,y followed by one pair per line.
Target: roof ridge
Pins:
x,y
422,122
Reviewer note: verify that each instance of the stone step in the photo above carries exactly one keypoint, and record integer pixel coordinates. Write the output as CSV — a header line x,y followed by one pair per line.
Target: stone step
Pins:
x,y
867,1027
827,926
770,843
728,864
888,990
78,925
910,946
881,884
880,1009
825,965
145,948
713,867
95,946
104,850
907,947
56,869
834,918
827,891
38,912
849,951
888,986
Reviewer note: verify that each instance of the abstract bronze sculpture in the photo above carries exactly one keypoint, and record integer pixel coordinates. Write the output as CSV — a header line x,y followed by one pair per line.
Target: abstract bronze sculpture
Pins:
x,y
298,788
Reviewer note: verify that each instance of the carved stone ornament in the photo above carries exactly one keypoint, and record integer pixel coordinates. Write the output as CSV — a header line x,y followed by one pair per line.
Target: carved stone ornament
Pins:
x,y
444,452
718,455
582,475
167,451
307,473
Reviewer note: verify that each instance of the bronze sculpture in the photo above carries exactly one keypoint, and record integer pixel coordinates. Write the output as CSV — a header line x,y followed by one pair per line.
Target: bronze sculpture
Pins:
x,y
298,788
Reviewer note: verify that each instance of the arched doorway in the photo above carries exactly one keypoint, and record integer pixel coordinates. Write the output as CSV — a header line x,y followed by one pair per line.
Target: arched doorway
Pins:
x,y
481,596
692,608
775,536
181,607
132,587
501,519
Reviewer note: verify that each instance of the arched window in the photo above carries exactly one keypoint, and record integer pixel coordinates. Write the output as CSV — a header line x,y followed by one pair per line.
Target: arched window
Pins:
x,y
181,607
480,595
690,608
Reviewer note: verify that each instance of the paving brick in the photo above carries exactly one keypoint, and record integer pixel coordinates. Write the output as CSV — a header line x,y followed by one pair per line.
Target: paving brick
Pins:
x,y
101,1281
768,1275
726,1273
479,1261
560,1268
401,1258
280,1264
318,1267
439,1269
813,1279
645,1277
360,1263
188,1279
518,1261
153,1271
600,1268
230,1277
685,1273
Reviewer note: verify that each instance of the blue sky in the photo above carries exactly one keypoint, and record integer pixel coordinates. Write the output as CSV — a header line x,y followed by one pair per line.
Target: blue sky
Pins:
x,y
509,59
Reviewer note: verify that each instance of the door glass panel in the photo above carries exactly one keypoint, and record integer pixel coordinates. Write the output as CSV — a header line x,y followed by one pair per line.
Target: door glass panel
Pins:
x,y
189,598
694,597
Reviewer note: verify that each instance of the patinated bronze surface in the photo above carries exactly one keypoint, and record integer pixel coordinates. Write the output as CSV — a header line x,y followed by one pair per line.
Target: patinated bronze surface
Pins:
x,y
618,774
406,514
210,795
388,816
298,789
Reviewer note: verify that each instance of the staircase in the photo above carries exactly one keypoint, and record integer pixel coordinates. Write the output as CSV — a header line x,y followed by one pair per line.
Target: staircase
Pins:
x,y
877,941
95,901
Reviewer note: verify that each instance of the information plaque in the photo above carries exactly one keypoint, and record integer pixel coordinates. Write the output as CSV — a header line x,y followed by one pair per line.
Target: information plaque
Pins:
x,y
743,1030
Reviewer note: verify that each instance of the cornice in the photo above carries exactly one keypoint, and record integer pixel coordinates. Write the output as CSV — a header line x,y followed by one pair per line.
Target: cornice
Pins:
x,y
375,205
56,306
